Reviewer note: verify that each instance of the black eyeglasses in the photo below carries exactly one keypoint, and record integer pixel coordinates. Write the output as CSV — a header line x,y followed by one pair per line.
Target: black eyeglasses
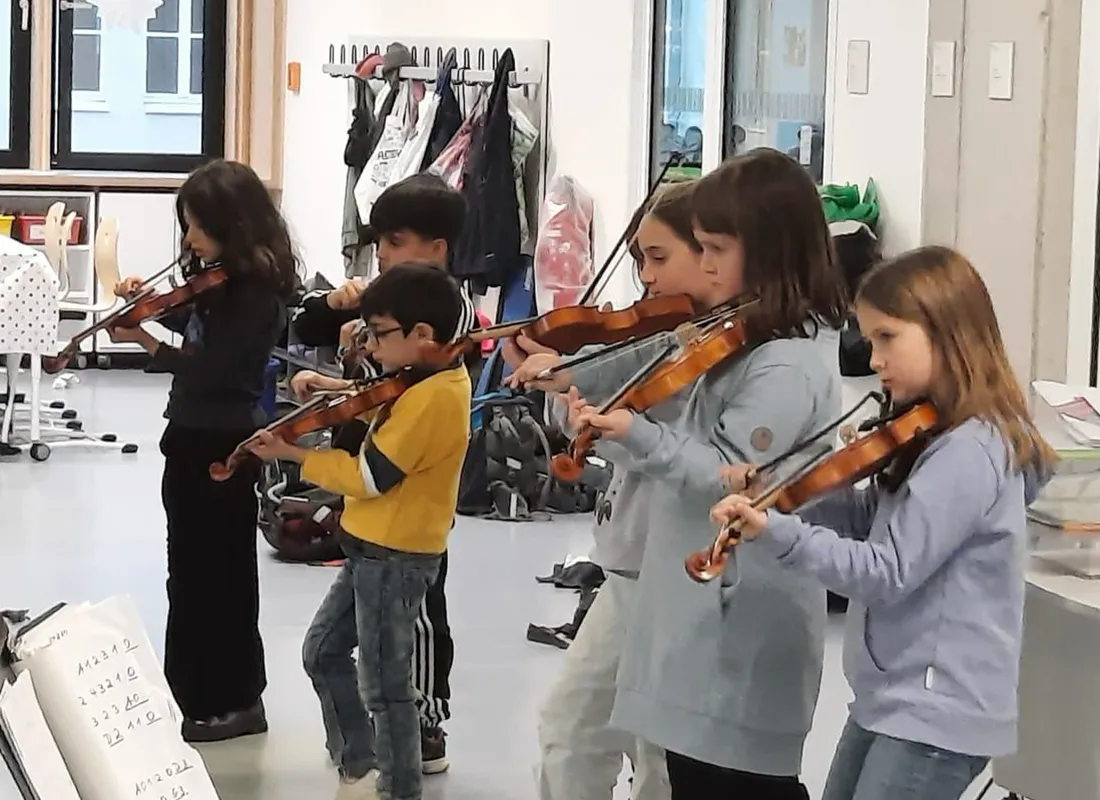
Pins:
x,y
374,335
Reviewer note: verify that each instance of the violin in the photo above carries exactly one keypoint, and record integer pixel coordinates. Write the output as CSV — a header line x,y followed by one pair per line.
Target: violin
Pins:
x,y
660,379
325,410
566,330
146,305
901,434
331,409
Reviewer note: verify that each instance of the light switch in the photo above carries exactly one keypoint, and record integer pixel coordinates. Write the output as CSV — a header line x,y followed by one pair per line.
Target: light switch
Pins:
x,y
1001,55
943,69
859,66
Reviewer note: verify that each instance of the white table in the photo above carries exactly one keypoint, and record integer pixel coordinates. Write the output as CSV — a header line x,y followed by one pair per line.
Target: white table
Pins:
x,y
1059,750
29,290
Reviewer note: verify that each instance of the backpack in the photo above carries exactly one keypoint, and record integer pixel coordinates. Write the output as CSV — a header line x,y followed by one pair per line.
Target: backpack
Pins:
x,y
292,516
506,474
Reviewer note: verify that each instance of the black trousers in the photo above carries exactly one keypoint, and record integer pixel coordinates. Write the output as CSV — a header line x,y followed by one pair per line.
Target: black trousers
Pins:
x,y
433,654
694,780
213,654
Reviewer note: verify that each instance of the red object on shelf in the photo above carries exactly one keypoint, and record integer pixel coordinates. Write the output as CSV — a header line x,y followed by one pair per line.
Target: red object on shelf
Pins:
x,y
31,229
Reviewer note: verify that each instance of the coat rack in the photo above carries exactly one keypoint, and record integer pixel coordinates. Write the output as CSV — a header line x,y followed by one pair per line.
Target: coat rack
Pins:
x,y
477,60
464,75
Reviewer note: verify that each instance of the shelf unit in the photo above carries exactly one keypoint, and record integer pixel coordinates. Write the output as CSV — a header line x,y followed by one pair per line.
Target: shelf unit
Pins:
x,y
148,240
82,285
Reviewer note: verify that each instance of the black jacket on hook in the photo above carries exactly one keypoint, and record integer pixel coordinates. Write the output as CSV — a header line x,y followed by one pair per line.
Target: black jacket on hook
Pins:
x,y
487,252
448,117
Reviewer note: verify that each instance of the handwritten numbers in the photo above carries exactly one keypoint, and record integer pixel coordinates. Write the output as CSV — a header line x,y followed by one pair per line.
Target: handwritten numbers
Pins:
x,y
114,738
173,770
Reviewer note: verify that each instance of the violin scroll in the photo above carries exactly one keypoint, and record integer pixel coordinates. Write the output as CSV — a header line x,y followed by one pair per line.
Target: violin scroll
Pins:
x,y
704,566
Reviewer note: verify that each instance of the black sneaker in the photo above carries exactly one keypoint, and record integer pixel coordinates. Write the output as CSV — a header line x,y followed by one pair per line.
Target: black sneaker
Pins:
x,y
433,751
249,722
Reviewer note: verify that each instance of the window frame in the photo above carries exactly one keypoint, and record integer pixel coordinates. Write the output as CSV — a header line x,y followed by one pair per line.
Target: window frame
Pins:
x,y
17,155
91,99
657,66
179,102
212,107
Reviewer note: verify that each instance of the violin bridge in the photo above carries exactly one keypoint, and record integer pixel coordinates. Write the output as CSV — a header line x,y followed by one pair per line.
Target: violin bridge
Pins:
x,y
848,434
687,332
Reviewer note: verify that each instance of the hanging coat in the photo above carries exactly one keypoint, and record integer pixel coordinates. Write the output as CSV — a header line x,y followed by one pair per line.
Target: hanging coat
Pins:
x,y
488,251
448,117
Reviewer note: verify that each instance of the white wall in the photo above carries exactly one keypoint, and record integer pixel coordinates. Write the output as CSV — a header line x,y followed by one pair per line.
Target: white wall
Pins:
x,y
593,78
992,177
881,134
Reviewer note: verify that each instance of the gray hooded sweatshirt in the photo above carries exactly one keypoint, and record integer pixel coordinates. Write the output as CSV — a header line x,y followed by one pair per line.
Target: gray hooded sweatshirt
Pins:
x,y
727,672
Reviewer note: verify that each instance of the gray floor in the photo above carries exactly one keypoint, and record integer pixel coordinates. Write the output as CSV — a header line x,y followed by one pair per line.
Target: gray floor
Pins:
x,y
87,524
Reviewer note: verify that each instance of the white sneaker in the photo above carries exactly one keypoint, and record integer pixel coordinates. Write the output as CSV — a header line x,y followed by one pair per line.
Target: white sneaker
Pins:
x,y
365,788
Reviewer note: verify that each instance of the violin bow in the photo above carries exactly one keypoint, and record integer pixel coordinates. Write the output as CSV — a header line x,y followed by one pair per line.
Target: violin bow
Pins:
x,y
614,257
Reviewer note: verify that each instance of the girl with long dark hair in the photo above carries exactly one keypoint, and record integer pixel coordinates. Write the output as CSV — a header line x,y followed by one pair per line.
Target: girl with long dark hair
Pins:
x,y
214,658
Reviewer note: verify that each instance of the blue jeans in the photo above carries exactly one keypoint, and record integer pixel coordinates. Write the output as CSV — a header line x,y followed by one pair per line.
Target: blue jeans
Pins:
x,y
870,766
373,605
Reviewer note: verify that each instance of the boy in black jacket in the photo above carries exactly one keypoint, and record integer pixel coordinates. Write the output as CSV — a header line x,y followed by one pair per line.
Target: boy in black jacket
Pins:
x,y
417,219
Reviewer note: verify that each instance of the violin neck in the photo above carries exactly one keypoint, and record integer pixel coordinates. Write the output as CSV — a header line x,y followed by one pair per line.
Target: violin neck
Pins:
x,y
502,331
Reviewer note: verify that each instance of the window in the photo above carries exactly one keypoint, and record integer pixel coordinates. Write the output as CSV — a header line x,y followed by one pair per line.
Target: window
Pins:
x,y
168,116
15,73
173,57
86,59
775,78
679,67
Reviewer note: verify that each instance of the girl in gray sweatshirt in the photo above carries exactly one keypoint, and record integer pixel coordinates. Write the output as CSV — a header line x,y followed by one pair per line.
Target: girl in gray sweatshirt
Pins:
x,y
931,554
725,677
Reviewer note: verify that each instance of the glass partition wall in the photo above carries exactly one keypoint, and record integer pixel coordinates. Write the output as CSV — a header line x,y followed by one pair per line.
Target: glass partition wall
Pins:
x,y
772,61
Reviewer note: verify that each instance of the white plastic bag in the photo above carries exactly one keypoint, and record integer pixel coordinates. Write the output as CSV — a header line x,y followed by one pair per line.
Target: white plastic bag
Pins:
x,y
412,154
108,706
396,130
563,252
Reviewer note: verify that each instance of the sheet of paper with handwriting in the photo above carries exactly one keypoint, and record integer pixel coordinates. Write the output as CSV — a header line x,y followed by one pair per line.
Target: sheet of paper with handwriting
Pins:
x,y
34,745
104,695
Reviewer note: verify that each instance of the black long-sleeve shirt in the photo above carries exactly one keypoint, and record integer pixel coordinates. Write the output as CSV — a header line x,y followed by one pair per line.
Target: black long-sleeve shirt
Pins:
x,y
318,325
218,373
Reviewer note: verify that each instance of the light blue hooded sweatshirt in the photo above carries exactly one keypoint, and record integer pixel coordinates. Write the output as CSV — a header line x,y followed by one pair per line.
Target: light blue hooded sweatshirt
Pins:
x,y
935,573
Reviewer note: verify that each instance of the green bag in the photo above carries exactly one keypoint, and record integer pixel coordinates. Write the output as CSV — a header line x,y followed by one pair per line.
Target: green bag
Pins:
x,y
843,202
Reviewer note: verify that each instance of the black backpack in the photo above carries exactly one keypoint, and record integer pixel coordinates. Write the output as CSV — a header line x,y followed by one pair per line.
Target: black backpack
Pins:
x,y
507,472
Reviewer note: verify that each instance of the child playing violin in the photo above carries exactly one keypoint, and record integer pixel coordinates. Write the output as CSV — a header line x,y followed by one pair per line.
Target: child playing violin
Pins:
x,y
417,219
725,678
400,489
931,557
213,654
581,755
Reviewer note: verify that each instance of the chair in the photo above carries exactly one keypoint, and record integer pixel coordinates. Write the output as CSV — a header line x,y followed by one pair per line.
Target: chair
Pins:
x,y
57,230
105,264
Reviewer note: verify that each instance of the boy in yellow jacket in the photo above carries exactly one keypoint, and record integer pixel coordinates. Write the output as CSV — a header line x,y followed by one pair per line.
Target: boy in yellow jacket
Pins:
x,y
400,497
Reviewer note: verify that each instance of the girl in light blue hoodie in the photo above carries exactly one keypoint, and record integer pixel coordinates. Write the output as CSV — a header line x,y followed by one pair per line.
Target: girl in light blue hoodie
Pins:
x,y
932,553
